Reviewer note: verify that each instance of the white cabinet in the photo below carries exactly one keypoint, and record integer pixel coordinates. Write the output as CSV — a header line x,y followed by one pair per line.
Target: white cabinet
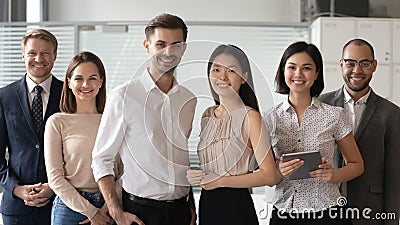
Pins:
x,y
396,85
329,35
396,41
396,62
378,33
381,81
333,78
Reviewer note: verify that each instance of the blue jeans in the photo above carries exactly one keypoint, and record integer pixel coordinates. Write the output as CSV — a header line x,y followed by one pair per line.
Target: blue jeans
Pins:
x,y
61,214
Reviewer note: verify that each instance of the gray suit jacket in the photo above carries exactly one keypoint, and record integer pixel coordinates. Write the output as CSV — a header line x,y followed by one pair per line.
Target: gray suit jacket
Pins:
x,y
378,138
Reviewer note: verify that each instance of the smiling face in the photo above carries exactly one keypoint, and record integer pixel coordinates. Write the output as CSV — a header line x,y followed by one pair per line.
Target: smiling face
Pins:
x,y
357,78
39,57
300,73
166,47
85,82
226,75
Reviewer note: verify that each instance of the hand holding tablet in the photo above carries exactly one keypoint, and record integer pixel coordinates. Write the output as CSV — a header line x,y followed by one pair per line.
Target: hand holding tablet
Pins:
x,y
311,161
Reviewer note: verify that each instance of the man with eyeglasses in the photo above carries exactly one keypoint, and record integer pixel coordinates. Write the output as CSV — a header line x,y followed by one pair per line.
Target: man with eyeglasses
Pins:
x,y
148,121
376,123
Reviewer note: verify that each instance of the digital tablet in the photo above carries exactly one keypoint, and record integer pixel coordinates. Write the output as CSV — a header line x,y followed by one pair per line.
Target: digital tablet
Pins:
x,y
311,161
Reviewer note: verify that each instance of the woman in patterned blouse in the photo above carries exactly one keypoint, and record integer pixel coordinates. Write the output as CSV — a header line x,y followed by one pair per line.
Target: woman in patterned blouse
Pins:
x,y
302,124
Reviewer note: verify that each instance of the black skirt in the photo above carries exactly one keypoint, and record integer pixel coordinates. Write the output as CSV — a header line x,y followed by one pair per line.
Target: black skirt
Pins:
x,y
230,206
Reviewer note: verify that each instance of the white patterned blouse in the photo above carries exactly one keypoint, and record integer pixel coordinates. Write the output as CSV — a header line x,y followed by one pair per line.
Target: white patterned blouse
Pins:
x,y
322,125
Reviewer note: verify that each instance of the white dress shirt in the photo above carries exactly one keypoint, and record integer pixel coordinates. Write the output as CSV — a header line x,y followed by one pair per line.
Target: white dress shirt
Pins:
x,y
354,109
321,127
150,130
45,93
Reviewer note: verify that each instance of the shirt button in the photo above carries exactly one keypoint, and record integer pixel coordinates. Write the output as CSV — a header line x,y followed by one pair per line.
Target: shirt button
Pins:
x,y
298,140
37,146
295,190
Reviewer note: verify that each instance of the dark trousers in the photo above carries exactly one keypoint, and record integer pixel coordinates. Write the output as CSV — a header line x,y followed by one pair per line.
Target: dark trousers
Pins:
x,y
38,216
316,218
153,212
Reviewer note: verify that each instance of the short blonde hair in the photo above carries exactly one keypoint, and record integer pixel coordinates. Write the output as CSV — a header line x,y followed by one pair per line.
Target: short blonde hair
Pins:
x,y
40,34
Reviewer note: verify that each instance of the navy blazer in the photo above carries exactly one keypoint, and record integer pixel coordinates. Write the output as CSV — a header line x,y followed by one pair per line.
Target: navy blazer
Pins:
x,y
25,145
378,138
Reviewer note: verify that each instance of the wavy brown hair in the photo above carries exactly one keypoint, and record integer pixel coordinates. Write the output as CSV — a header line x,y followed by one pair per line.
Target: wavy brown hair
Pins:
x,y
68,100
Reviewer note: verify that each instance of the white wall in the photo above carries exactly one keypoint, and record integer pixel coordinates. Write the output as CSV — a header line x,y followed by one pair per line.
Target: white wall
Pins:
x,y
189,10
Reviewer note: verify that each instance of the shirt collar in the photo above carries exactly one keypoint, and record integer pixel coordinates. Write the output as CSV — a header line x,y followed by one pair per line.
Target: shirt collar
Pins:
x,y
286,105
314,103
45,84
149,83
349,99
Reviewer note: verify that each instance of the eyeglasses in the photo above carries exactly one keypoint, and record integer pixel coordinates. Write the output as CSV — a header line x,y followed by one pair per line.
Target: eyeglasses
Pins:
x,y
364,64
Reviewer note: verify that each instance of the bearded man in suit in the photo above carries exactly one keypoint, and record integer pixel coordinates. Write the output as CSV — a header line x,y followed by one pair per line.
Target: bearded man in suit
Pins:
x,y
376,123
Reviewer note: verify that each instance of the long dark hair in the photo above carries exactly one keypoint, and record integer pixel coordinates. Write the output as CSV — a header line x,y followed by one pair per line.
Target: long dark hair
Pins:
x,y
246,91
314,53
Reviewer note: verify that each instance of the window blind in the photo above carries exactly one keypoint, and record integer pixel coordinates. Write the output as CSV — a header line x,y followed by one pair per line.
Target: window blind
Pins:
x,y
12,66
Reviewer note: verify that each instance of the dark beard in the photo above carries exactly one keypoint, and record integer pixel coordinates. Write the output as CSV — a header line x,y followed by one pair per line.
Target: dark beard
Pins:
x,y
366,84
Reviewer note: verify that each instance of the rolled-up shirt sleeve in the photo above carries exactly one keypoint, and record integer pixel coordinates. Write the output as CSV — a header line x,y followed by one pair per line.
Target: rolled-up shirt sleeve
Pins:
x,y
109,136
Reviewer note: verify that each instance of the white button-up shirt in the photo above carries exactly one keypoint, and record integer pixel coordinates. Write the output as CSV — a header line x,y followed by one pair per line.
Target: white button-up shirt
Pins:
x,y
355,109
150,130
321,127
46,85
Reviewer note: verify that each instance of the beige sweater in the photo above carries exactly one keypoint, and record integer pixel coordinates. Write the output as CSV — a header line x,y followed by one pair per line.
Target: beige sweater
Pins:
x,y
69,141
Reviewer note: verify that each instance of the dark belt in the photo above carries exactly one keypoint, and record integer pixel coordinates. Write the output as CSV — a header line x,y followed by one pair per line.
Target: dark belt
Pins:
x,y
160,204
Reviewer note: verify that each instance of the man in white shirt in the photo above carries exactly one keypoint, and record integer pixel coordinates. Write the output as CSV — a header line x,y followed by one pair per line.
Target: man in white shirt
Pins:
x,y
148,121
376,123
